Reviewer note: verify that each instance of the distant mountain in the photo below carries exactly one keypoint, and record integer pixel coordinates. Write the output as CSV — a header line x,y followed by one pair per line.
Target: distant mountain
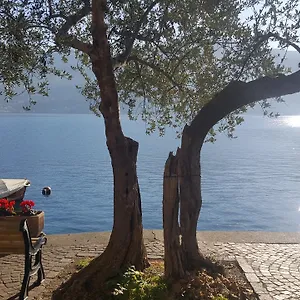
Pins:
x,y
291,106
62,99
65,98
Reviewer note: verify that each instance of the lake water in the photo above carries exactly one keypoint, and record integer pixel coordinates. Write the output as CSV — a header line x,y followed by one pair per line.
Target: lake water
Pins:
x,y
249,183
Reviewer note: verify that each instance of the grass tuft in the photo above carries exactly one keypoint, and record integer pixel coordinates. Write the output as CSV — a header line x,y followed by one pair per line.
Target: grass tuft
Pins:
x,y
83,263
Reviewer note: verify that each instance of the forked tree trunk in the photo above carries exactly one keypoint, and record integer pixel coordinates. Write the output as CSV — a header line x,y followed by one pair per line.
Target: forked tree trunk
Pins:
x,y
182,190
126,246
234,96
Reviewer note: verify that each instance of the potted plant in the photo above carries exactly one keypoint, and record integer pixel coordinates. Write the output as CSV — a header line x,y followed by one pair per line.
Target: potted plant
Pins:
x,y
10,219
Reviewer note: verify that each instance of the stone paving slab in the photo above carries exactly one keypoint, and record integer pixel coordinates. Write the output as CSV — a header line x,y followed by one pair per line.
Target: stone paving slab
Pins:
x,y
273,269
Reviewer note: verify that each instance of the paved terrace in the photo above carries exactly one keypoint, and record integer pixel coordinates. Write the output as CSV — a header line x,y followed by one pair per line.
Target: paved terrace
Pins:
x,y
271,261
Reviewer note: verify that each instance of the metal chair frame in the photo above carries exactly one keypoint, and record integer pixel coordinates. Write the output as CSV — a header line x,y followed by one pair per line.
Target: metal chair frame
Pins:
x,y
32,251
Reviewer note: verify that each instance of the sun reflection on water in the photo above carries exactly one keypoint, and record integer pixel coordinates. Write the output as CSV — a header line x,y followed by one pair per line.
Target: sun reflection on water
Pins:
x,y
292,121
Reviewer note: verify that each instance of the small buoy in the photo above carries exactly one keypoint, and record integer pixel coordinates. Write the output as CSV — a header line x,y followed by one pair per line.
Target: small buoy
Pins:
x,y
46,191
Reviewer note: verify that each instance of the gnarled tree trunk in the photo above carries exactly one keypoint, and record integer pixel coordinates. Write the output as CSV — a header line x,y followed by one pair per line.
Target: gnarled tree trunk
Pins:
x,y
236,95
126,246
190,200
181,247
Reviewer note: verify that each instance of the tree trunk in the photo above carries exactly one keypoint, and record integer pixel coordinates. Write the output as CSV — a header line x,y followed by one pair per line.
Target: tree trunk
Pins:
x,y
172,258
190,199
234,96
182,187
126,246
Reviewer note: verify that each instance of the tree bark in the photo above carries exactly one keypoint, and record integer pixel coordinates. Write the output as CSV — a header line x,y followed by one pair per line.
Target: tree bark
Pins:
x,y
172,256
126,246
182,186
190,199
127,230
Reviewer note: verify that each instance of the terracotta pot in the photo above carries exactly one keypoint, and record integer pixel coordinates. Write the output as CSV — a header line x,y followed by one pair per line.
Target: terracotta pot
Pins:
x,y
12,223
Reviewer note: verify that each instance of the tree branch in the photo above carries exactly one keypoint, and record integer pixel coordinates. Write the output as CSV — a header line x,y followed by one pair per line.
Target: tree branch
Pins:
x,y
285,41
158,70
238,94
74,19
141,78
32,26
139,37
62,35
122,57
50,7
262,39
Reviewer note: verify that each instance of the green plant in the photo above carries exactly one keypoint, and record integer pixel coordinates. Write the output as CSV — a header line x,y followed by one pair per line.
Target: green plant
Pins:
x,y
137,285
83,263
220,298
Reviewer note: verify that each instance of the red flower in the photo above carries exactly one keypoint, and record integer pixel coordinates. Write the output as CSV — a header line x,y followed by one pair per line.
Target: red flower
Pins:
x,y
7,205
4,203
26,205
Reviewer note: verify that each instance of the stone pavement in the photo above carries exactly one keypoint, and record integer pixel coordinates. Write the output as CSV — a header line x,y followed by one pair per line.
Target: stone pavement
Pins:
x,y
271,261
272,269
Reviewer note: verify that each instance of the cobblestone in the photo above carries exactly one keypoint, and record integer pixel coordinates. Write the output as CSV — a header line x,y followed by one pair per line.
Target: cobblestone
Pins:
x,y
274,266
272,269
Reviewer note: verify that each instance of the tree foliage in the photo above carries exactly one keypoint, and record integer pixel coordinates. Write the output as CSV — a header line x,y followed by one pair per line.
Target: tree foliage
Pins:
x,y
170,57
174,62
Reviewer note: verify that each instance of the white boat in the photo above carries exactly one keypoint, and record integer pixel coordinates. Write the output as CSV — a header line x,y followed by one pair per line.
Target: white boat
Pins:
x,y
13,189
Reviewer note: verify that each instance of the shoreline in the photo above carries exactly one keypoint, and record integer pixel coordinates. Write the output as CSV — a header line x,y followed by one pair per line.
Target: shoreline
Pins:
x,y
207,237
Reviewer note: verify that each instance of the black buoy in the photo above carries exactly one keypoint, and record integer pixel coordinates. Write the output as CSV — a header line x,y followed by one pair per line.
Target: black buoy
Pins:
x,y
46,191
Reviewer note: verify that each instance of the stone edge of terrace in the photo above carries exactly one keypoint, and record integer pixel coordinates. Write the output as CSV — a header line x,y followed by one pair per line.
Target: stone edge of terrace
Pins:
x,y
206,237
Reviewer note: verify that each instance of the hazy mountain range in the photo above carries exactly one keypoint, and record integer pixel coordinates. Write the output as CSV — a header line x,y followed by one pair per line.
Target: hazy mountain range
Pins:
x,y
65,98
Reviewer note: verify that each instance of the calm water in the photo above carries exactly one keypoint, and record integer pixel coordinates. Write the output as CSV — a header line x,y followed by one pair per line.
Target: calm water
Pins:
x,y
249,183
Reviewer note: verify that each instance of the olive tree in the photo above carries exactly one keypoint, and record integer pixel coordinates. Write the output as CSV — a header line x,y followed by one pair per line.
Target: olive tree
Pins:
x,y
247,84
164,61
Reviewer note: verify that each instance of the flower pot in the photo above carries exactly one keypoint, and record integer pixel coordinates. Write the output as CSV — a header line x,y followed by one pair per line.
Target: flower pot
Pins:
x,y
12,223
